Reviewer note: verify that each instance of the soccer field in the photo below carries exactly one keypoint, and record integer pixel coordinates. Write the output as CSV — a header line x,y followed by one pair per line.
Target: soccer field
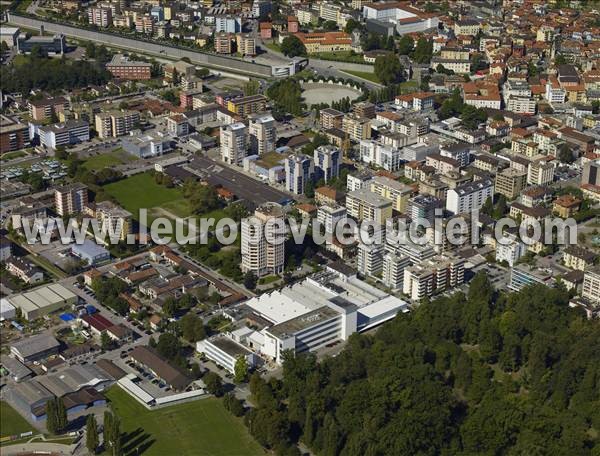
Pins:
x,y
140,191
197,428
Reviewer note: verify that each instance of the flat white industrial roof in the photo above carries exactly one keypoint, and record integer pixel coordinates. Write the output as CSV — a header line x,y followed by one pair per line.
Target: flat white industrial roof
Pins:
x,y
277,307
5,305
134,389
48,296
23,303
386,305
8,30
39,298
62,291
179,396
319,290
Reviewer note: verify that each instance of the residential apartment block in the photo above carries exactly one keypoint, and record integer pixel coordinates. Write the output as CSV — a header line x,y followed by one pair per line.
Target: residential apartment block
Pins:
x,y
366,205
261,251
234,143
122,68
116,123
70,199
262,133
433,276
469,196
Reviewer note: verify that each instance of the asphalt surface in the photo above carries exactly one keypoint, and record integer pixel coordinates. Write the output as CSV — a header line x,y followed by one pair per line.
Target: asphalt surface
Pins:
x,y
244,187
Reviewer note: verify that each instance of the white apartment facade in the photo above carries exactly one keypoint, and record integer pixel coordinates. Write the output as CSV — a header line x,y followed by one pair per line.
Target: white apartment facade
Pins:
x,y
234,143
393,270
470,196
262,250
384,156
330,216
262,133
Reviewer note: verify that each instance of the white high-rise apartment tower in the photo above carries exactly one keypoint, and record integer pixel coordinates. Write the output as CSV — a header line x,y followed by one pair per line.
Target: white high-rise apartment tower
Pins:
x,y
263,134
261,251
234,143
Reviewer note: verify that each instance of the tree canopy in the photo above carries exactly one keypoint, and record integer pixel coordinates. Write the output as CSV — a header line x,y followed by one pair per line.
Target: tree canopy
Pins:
x,y
287,95
475,373
51,74
388,69
291,46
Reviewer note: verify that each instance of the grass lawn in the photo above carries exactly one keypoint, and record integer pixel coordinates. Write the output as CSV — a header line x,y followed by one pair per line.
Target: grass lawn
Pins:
x,y
201,427
340,56
268,279
409,86
363,74
106,160
13,155
273,46
12,422
140,191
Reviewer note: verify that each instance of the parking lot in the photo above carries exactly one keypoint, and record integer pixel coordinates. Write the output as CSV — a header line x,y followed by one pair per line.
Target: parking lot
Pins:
x,y
498,275
245,187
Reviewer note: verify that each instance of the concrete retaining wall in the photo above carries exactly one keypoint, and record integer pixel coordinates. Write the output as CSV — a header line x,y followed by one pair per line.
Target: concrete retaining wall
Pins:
x,y
160,50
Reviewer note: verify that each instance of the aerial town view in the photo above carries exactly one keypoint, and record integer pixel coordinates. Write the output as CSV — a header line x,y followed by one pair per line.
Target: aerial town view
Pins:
x,y
300,227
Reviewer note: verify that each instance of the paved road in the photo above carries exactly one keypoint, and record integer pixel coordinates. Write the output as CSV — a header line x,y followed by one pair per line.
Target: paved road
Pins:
x,y
41,448
221,283
154,48
328,68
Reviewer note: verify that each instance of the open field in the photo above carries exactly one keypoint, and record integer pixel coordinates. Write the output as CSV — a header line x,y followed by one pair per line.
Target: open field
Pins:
x,y
11,423
409,86
106,160
364,75
201,427
140,191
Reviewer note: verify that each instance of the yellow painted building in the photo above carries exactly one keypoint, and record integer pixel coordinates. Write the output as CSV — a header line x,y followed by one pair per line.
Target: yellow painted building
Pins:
x,y
397,192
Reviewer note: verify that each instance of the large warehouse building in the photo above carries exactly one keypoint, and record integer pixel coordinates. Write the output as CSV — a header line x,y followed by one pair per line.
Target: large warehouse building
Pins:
x,y
78,386
43,301
35,348
324,308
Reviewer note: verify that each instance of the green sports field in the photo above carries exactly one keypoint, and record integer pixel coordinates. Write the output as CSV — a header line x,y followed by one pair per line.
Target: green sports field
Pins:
x,y
140,191
11,423
197,428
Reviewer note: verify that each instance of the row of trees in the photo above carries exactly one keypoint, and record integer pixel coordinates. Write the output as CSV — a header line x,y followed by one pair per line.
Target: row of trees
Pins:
x,y
112,434
475,373
56,416
92,440
287,96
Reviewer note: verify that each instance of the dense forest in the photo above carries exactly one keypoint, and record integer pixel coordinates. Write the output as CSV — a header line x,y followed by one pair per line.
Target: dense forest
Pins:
x,y
476,374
